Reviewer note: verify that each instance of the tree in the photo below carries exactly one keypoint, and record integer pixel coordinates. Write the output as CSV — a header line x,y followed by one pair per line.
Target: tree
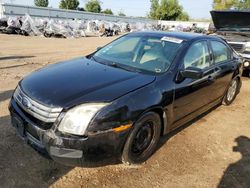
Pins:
x,y
121,13
41,3
107,11
231,4
69,4
183,16
153,9
224,4
93,6
167,10
243,4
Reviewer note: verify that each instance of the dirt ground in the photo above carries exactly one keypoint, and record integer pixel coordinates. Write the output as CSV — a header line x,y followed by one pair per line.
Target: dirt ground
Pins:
x,y
212,151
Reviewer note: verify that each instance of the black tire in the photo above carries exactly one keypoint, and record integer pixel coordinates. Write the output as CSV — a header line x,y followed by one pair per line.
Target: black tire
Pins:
x,y
148,127
229,100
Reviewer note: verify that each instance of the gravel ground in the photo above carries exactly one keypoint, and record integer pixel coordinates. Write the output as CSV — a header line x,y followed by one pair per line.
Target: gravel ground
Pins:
x,y
212,151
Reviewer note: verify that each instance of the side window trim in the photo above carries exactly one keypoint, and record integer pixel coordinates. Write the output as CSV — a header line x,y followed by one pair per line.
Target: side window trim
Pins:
x,y
211,53
193,43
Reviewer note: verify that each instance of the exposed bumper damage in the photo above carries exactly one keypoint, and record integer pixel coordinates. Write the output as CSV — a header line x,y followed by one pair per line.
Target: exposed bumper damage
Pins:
x,y
94,150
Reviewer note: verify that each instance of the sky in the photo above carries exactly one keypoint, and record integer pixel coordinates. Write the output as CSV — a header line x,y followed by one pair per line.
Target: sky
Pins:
x,y
197,9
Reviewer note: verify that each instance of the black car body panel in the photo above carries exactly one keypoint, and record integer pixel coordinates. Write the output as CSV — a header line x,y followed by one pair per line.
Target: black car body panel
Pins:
x,y
79,81
130,95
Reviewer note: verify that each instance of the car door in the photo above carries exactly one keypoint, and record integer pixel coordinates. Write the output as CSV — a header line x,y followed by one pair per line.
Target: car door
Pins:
x,y
225,66
193,94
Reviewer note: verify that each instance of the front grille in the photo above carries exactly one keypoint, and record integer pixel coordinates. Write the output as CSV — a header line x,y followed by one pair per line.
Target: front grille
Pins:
x,y
35,109
37,122
239,47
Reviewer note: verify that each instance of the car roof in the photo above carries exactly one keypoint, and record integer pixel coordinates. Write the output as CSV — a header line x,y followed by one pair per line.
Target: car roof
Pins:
x,y
187,36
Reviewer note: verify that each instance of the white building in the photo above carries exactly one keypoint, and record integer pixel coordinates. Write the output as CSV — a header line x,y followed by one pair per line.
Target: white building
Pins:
x,y
20,10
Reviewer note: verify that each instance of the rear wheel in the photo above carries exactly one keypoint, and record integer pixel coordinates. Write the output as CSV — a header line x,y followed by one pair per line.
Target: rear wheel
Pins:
x,y
143,139
231,92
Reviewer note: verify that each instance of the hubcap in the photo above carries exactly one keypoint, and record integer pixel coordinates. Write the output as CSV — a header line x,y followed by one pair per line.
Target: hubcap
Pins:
x,y
232,90
142,139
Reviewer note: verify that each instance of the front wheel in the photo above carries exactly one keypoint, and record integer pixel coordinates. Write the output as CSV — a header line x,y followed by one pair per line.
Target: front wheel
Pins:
x,y
231,92
143,139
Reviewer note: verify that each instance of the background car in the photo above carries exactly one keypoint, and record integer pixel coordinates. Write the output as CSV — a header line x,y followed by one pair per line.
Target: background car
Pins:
x,y
233,26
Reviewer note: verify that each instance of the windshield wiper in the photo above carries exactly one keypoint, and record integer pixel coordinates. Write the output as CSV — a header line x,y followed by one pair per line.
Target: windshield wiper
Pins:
x,y
128,68
95,59
116,65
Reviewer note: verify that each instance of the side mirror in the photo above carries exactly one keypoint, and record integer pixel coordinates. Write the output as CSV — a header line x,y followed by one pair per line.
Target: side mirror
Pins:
x,y
192,72
98,48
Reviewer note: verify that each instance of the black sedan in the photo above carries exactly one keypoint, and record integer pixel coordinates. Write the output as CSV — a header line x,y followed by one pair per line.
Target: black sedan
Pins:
x,y
117,102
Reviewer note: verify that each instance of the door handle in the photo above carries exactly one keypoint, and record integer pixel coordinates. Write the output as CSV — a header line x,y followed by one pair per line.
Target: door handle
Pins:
x,y
217,69
234,67
211,78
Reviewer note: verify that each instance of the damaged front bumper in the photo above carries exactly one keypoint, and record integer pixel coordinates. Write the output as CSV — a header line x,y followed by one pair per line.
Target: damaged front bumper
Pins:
x,y
94,150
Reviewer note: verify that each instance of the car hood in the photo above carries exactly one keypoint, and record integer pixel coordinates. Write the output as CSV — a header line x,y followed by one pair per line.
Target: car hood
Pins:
x,y
79,81
231,20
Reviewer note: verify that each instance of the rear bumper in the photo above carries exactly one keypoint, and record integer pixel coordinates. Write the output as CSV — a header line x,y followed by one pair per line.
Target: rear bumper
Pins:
x,y
94,150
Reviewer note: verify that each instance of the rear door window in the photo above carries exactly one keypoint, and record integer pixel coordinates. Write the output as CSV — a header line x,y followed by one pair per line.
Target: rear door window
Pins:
x,y
221,52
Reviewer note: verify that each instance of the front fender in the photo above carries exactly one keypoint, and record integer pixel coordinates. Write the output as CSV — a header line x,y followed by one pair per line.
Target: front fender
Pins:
x,y
130,107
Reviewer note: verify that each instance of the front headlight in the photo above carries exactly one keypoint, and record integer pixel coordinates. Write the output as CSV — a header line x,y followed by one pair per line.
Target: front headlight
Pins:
x,y
246,64
77,119
247,47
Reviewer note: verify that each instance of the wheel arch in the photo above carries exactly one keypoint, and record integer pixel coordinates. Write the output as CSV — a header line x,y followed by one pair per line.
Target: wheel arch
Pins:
x,y
237,76
162,114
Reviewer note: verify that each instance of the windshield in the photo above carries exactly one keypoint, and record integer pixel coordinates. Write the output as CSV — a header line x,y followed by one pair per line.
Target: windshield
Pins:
x,y
140,53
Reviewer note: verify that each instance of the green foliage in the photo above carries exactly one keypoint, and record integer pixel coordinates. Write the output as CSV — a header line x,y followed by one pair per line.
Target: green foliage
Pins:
x,y
93,6
183,16
243,4
107,11
167,10
121,13
228,4
41,3
69,4
154,9
224,4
